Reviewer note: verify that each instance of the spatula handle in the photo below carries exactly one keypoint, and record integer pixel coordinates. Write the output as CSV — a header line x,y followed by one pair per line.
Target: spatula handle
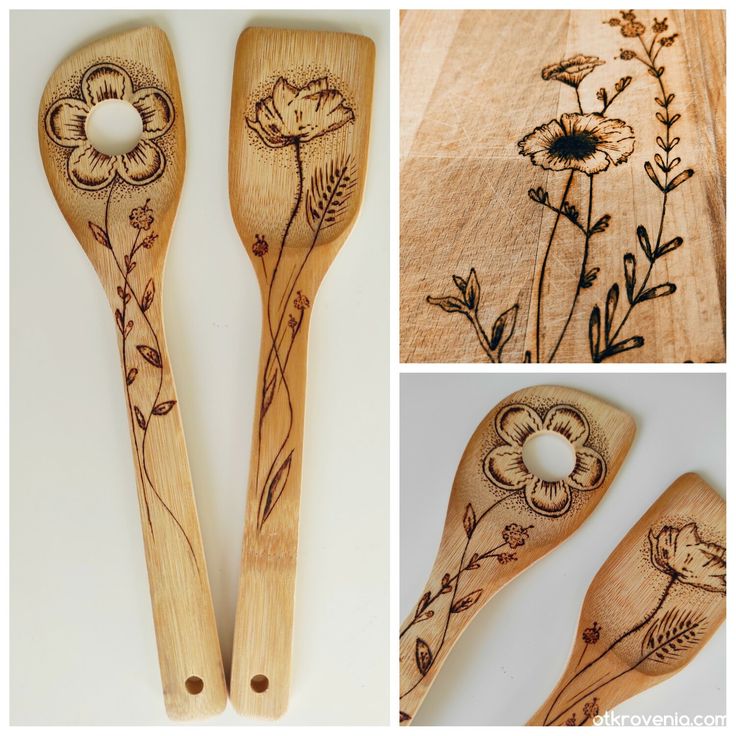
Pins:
x,y
186,632
261,666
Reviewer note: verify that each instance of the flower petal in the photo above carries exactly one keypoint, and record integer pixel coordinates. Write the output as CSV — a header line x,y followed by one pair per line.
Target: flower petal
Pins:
x,y
90,169
569,422
106,82
517,422
65,122
505,468
320,113
268,125
156,111
541,138
589,470
283,94
141,165
549,498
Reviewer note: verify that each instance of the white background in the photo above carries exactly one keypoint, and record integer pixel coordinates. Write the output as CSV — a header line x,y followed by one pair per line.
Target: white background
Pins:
x,y
511,656
82,642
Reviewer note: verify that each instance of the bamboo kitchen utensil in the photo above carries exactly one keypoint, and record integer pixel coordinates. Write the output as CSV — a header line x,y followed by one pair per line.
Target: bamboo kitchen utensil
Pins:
x,y
501,517
121,209
580,154
650,609
300,119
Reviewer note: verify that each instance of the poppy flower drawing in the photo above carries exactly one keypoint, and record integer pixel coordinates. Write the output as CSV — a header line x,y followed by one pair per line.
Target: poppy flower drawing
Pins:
x,y
682,554
572,71
87,167
587,143
504,465
299,114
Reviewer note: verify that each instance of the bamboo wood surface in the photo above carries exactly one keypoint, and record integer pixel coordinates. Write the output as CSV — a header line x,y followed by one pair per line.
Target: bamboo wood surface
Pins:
x,y
650,609
501,518
121,209
300,120
558,261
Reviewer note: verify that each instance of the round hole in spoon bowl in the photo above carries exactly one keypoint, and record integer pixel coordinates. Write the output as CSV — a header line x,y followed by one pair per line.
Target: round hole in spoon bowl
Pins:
x,y
113,127
549,456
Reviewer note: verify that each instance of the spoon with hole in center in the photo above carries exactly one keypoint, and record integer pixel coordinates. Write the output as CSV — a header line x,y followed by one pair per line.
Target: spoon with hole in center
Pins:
x,y
501,517
300,118
121,208
650,609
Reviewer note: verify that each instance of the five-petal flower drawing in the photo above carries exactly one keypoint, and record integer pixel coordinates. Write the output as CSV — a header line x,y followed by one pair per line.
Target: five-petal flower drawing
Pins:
x,y
505,468
90,169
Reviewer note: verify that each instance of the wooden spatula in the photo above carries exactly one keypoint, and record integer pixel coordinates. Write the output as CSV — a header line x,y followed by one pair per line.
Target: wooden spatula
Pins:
x,y
501,517
650,609
121,209
300,117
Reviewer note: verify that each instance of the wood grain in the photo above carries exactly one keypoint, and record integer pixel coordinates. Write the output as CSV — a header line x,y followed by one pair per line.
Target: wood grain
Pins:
x,y
650,609
471,90
121,209
300,120
501,518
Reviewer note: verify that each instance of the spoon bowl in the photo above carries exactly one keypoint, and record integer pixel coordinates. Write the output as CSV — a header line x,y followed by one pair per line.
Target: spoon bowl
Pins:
x,y
501,518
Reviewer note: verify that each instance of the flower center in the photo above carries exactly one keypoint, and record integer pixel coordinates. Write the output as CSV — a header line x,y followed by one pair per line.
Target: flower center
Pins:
x,y
576,145
113,127
549,456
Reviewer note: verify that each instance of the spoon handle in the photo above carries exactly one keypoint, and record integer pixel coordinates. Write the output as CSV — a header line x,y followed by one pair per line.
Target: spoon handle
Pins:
x,y
261,665
186,632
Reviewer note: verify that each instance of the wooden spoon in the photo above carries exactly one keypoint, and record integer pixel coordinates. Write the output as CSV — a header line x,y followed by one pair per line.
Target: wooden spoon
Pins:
x,y
650,609
121,209
300,118
501,518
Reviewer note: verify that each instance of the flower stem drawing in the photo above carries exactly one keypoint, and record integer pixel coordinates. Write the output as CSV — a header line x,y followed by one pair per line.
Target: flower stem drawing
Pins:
x,y
291,117
503,327
662,636
502,465
512,537
143,410
640,292
586,144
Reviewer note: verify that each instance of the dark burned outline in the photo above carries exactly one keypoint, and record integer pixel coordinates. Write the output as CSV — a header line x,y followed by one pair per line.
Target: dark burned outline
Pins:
x,y
513,535
573,151
140,219
325,202
668,633
117,162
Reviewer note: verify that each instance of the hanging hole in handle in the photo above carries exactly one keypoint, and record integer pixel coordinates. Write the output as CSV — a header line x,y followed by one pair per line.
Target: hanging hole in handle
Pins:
x,y
113,127
194,685
259,683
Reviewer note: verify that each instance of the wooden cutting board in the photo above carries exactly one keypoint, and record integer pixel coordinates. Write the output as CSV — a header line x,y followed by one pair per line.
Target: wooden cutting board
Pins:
x,y
533,227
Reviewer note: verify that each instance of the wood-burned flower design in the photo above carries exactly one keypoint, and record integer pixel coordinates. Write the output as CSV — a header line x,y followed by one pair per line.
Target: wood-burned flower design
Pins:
x,y
87,167
505,468
587,143
572,71
682,554
298,114
664,635
292,116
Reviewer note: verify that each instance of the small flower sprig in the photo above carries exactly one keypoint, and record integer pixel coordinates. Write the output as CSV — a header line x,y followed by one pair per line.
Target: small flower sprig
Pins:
x,y
514,536
603,335
143,410
467,304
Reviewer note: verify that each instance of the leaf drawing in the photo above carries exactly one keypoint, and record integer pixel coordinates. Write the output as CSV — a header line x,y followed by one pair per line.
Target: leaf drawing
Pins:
x,y
276,487
464,603
423,656
150,355
163,408
328,196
